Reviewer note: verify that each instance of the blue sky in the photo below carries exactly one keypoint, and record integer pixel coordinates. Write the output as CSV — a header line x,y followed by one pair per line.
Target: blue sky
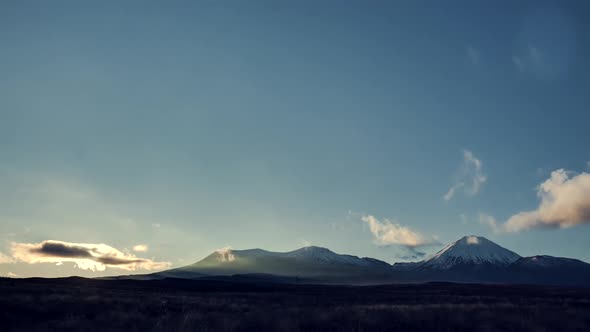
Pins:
x,y
190,126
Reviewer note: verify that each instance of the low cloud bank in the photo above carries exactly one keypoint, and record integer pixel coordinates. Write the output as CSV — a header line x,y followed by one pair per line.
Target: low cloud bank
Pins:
x,y
86,256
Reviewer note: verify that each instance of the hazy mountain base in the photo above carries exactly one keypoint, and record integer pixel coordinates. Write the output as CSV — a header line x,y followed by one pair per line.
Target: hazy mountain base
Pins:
x,y
189,305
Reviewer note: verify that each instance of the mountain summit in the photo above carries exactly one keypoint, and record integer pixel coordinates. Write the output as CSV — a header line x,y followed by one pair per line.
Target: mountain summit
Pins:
x,y
471,250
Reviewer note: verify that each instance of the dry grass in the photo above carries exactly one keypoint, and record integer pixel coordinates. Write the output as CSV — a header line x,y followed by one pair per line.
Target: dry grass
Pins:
x,y
110,305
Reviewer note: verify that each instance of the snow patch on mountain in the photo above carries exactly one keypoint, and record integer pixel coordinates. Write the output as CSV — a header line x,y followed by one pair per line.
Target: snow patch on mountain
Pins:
x,y
471,250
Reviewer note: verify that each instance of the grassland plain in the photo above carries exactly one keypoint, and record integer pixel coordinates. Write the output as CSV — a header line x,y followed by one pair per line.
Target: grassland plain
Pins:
x,y
77,304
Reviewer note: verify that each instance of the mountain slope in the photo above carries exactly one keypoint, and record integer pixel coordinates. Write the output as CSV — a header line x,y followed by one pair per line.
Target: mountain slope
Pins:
x,y
470,250
543,269
308,262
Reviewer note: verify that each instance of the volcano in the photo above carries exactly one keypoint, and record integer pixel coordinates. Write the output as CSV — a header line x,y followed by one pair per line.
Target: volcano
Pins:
x,y
473,259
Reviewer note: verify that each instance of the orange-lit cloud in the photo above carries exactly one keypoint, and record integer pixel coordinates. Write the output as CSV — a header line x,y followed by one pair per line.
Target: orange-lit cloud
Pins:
x,y
387,232
140,248
4,259
87,256
564,202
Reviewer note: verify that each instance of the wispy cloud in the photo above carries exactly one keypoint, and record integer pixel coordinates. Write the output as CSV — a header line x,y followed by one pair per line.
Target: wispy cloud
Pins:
x,y
518,63
140,248
387,232
473,54
451,193
470,177
530,60
86,256
489,221
564,202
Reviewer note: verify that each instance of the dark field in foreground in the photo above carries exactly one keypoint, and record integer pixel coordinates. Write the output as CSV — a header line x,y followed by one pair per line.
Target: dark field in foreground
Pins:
x,y
184,305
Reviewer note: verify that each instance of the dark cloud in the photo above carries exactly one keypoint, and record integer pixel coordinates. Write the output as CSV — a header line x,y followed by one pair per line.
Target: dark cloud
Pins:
x,y
411,254
118,261
58,249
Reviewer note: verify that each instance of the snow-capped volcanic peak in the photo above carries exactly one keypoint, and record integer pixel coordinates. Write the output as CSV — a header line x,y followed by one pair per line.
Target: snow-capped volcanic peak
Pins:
x,y
471,250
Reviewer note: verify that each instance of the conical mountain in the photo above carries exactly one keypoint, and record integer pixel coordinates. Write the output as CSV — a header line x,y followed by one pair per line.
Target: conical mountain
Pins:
x,y
476,250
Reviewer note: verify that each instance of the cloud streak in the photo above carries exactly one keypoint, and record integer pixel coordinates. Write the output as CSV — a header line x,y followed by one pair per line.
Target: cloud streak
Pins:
x,y
86,256
386,232
470,177
564,202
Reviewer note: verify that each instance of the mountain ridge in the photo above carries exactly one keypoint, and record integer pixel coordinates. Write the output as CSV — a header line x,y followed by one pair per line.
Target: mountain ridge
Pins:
x,y
469,259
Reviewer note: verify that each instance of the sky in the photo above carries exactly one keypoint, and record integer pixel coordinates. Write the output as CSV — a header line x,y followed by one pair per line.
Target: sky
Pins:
x,y
144,135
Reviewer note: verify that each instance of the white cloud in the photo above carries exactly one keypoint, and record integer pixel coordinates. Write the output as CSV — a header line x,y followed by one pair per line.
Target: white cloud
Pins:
x,y
4,259
226,254
564,202
470,177
140,248
449,195
387,232
11,275
490,222
86,256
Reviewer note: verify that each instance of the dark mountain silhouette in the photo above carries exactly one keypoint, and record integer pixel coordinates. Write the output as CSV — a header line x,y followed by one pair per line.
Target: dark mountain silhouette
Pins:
x,y
471,259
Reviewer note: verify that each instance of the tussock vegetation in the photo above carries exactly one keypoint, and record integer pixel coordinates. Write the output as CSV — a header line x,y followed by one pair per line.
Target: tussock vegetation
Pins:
x,y
171,305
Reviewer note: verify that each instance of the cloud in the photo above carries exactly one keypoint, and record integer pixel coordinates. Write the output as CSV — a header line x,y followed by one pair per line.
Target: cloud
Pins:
x,y
530,59
86,256
11,275
4,259
449,195
564,202
470,177
518,63
387,232
140,248
473,55
411,254
225,254
489,221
